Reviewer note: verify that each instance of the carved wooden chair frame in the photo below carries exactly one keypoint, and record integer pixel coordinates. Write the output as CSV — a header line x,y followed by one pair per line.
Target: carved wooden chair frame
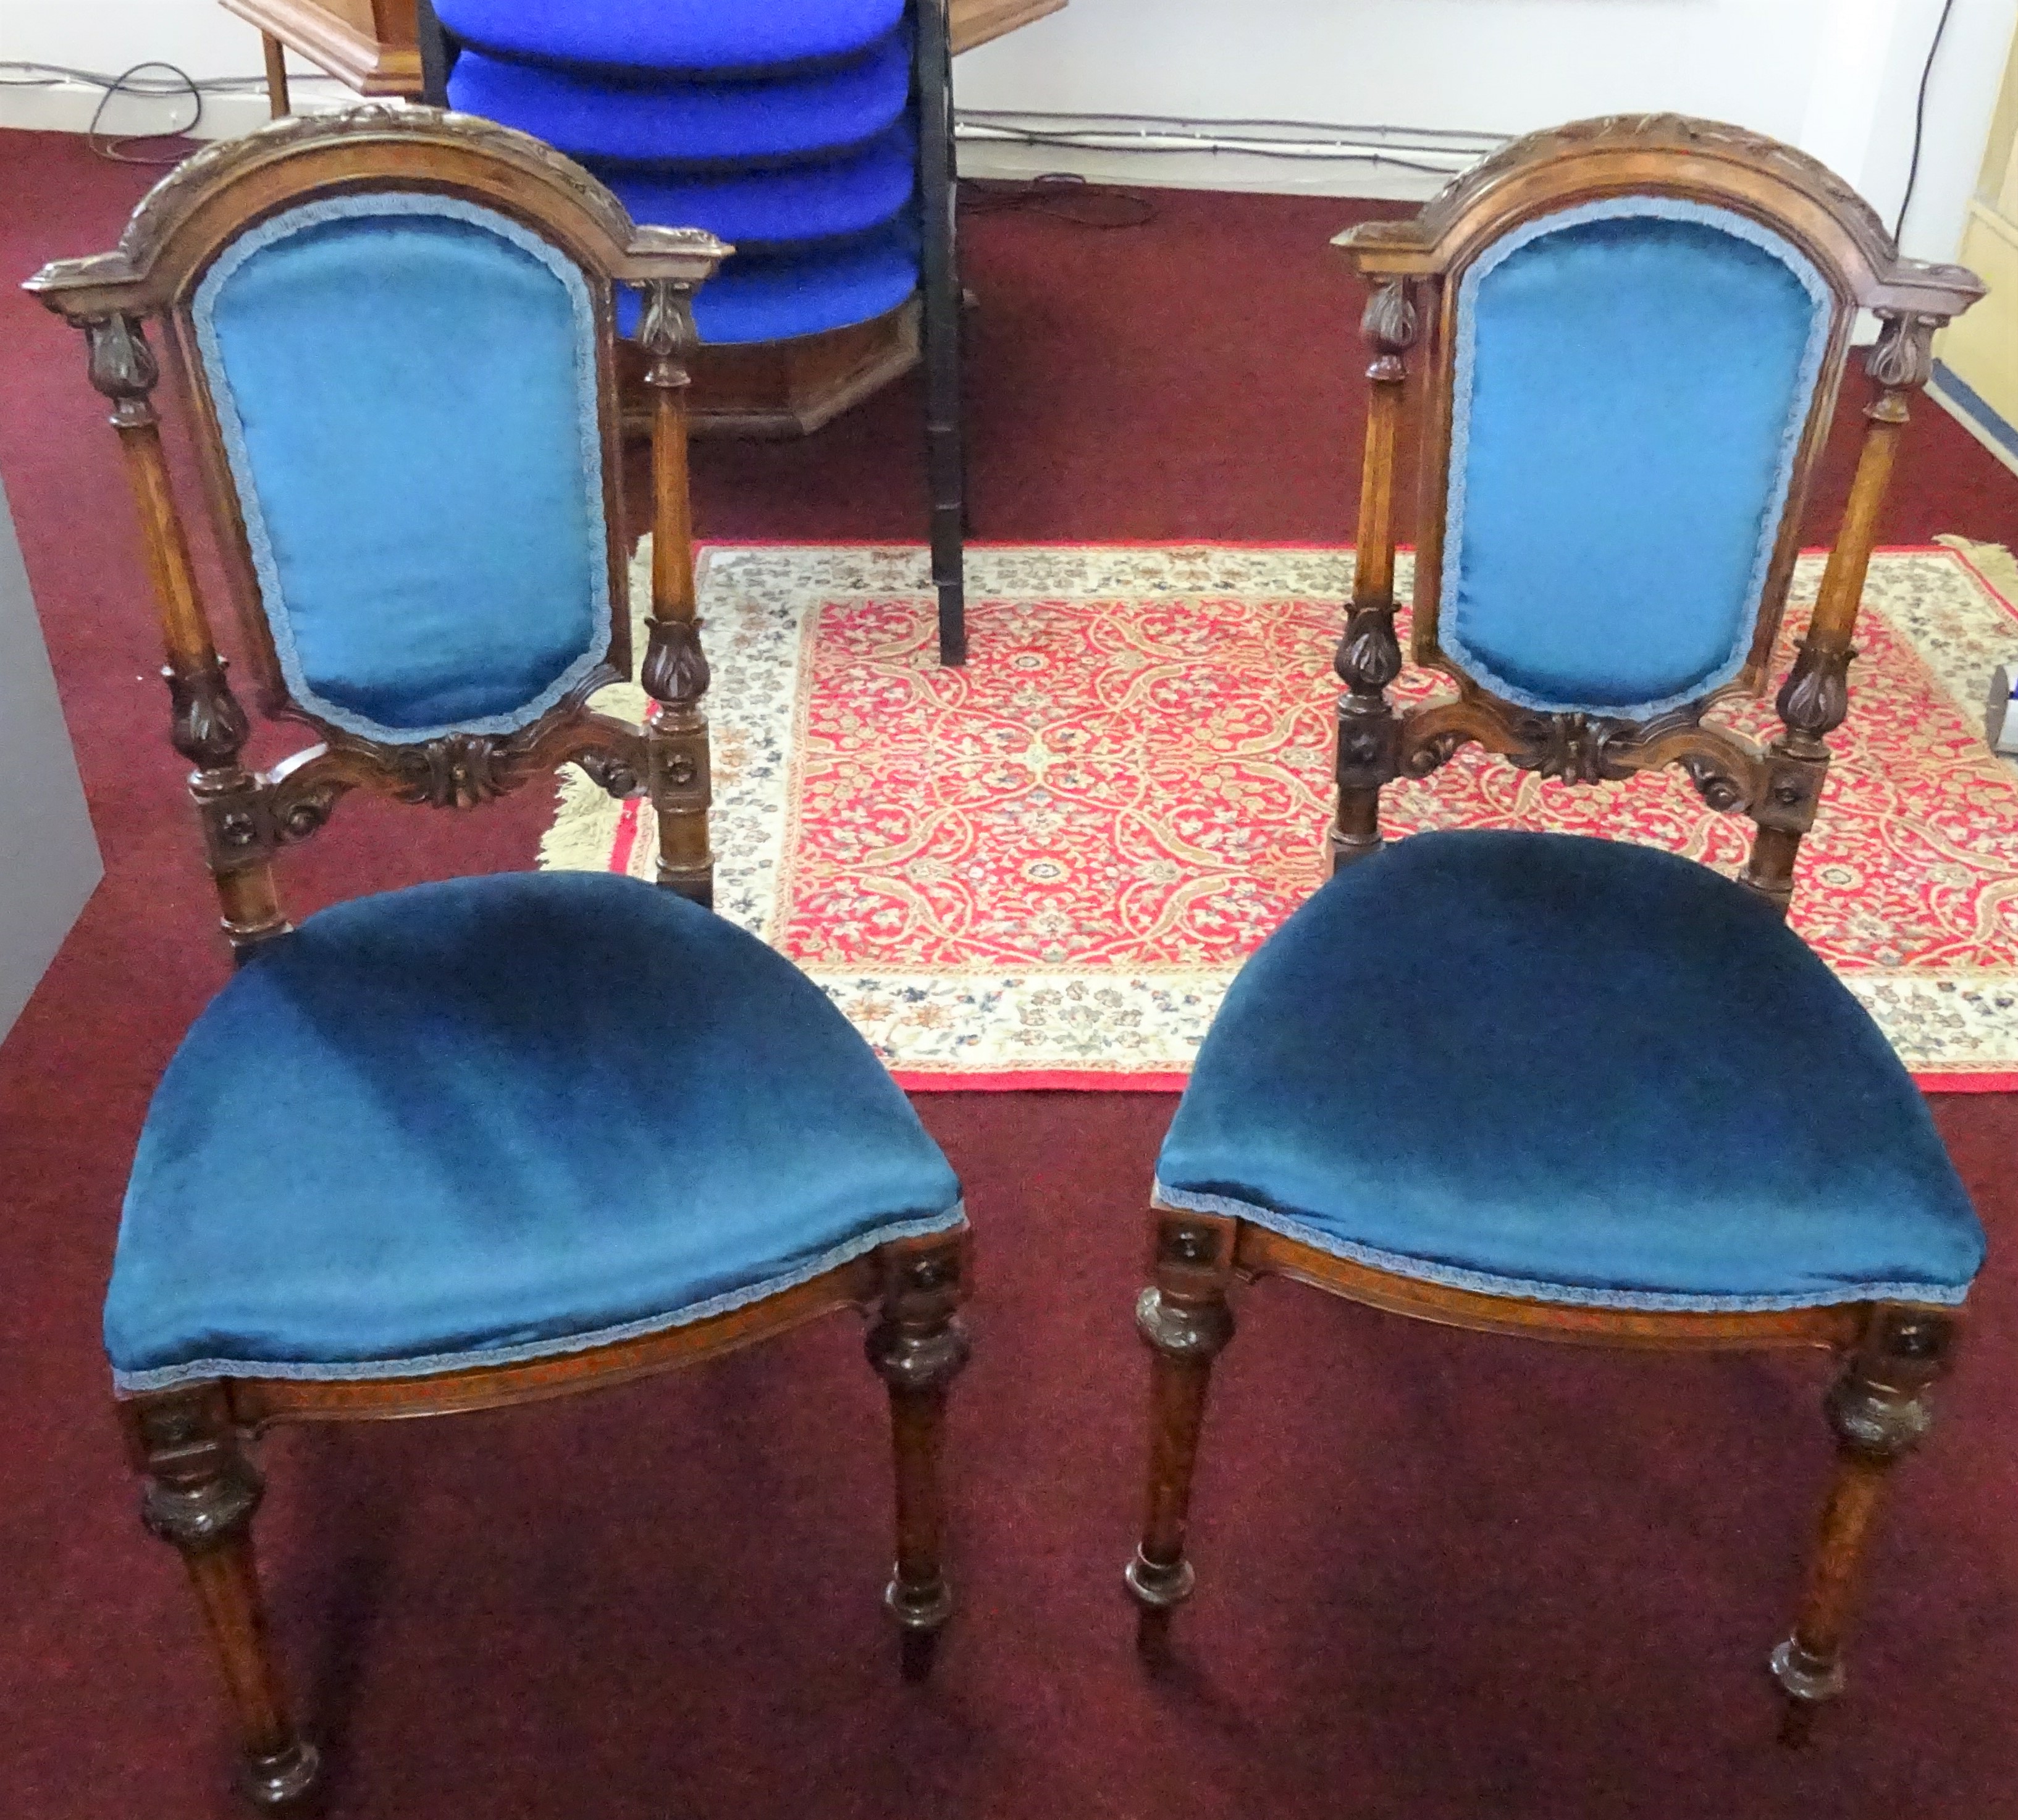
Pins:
x,y
188,1442
1893,1353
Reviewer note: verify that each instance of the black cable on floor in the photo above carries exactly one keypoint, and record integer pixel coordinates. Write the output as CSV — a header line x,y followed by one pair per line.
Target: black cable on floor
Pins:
x,y
1063,195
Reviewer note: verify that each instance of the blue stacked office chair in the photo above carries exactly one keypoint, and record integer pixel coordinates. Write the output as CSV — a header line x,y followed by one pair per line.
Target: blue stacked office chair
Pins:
x,y
815,137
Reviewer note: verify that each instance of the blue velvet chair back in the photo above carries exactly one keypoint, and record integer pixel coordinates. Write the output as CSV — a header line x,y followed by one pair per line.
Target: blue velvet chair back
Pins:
x,y
396,331
1628,336
1632,379
406,387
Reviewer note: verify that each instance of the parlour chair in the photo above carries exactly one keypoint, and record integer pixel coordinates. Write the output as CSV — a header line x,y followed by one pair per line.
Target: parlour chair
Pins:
x,y
816,136
507,1137
1577,1089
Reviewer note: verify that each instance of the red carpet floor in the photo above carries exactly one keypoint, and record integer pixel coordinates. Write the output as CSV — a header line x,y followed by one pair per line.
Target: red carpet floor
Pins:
x,y
1440,1575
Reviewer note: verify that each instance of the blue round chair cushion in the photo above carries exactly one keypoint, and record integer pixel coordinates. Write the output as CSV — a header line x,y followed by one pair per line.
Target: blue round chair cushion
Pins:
x,y
779,299
779,122
775,208
671,35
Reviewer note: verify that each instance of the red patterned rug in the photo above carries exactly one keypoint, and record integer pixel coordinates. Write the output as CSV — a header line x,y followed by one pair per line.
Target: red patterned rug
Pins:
x,y
1043,870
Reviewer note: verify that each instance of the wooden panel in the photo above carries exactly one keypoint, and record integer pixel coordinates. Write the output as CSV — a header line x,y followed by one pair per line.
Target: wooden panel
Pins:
x,y
975,22
372,45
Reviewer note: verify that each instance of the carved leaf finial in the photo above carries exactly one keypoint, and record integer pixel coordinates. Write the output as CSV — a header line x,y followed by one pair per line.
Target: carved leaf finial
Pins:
x,y
1390,321
1902,359
206,724
122,367
675,670
666,331
1369,657
1815,698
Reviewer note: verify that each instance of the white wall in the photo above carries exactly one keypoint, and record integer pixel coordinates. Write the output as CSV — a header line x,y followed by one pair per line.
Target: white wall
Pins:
x,y
1497,66
110,36
1837,77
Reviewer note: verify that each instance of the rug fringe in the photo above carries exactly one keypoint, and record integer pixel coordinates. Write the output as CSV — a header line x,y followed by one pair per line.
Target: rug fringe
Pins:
x,y
584,827
586,817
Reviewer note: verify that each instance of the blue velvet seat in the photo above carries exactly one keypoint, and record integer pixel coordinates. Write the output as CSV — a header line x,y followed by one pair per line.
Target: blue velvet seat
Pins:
x,y
510,1115
1571,1069
673,122
775,298
692,36
757,210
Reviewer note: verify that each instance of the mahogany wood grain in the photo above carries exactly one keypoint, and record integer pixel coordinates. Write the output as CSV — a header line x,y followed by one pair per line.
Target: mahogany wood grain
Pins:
x,y
201,1490
370,45
918,1347
278,103
1414,269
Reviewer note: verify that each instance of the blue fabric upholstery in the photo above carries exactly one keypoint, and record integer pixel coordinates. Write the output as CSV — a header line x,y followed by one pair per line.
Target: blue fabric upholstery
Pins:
x,y
406,388
759,209
1632,378
498,1117
692,123
772,299
1570,1070
692,36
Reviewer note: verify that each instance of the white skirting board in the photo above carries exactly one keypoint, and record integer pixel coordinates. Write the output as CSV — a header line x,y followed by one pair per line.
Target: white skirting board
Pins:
x,y
48,857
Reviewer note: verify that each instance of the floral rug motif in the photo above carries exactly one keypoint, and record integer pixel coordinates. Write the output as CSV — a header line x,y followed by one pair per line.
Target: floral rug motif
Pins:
x,y
1044,869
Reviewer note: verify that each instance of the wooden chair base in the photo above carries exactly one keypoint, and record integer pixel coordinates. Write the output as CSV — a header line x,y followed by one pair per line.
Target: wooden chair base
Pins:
x,y
777,390
202,1491
1878,1409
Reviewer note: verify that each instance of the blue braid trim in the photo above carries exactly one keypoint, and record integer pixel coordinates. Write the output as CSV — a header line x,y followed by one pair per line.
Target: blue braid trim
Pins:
x,y
203,315
1626,208
199,1370
1530,1290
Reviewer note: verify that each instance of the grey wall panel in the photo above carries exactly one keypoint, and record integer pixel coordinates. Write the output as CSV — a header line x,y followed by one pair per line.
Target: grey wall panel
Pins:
x,y
48,857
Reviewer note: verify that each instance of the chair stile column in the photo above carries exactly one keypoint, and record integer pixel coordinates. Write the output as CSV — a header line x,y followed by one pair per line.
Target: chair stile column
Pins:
x,y
1368,656
1814,699
1184,1319
918,1346
675,671
201,1495
1880,1412
941,326
208,726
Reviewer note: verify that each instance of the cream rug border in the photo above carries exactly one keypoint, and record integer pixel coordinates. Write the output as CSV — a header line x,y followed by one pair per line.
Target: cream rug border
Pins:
x,y
950,1024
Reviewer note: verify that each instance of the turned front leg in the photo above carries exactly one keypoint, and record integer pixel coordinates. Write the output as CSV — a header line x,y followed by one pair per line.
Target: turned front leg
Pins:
x,y
918,1346
201,1495
1184,1319
1879,1411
